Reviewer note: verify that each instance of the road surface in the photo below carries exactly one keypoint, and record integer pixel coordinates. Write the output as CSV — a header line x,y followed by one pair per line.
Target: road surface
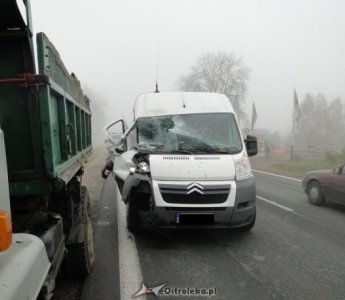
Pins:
x,y
295,250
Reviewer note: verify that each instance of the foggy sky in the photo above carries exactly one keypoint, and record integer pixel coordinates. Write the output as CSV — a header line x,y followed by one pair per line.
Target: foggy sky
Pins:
x,y
113,47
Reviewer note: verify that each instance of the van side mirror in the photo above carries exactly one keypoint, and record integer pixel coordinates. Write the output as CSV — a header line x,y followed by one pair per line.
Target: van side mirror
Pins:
x,y
251,145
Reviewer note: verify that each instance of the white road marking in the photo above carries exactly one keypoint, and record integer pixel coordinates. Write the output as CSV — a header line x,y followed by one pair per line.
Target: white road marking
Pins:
x,y
295,213
130,272
276,175
275,204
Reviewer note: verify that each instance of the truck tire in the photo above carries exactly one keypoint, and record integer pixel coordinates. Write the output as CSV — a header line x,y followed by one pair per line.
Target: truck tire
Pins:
x,y
80,256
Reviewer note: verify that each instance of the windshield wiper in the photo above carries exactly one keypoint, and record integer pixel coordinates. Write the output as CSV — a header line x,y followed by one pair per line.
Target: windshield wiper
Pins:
x,y
176,151
165,151
232,150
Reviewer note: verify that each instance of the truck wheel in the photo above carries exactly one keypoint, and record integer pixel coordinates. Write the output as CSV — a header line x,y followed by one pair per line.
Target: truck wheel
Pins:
x,y
249,226
80,256
315,195
132,216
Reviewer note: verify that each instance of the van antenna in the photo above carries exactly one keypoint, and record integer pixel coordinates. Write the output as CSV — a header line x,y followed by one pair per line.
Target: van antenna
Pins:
x,y
157,90
158,56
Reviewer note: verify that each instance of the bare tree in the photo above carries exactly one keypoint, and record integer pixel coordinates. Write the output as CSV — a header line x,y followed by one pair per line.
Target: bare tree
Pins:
x,y
219,73
322,122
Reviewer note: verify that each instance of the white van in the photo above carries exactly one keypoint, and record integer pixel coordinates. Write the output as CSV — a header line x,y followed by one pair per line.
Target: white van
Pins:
x,y
183,163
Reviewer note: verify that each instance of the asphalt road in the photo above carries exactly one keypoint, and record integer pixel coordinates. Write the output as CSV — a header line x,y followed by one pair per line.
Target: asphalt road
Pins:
x,y
295,251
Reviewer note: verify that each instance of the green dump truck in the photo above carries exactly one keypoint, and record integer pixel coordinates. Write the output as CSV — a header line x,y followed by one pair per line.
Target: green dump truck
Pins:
x,y
46,121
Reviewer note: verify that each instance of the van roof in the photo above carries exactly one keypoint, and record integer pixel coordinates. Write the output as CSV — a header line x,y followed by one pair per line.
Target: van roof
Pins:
x,y
176,103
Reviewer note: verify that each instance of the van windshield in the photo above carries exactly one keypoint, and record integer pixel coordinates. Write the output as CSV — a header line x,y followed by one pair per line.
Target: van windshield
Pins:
x,y
204,133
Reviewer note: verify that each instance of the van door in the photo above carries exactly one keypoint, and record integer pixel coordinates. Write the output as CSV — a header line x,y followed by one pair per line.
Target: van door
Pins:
x,y
115,133
122,145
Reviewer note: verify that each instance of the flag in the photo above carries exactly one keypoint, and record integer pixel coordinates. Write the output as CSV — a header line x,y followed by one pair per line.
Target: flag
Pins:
x,y
254,116
296,114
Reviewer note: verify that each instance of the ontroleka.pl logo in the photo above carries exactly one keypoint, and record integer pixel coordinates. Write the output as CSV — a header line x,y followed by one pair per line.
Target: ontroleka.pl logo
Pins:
x,y
165,290
149,290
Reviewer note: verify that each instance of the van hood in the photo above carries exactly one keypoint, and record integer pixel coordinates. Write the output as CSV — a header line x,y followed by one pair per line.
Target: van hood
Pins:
x,y
192,167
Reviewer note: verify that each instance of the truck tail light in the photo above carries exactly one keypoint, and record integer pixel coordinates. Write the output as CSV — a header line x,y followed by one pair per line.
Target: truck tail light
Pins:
x,y
5,230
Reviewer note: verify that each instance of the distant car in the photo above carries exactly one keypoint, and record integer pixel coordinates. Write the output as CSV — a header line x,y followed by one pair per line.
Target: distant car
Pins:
x,y
325,185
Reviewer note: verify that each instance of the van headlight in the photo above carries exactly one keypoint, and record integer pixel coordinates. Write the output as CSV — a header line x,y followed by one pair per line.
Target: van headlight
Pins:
x,y
242,168
143,167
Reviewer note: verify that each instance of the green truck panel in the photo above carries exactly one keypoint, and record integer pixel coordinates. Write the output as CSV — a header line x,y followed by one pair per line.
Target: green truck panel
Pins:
x,y
45,117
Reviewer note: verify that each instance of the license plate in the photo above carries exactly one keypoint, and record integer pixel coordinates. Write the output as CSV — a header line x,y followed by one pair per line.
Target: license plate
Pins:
x,y
194,219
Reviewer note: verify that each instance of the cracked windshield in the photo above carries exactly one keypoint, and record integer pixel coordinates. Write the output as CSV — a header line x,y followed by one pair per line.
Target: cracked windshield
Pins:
x,y
190,132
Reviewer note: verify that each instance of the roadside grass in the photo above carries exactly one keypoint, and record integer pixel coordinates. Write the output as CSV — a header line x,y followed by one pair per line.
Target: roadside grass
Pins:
x,y
301,167
282,164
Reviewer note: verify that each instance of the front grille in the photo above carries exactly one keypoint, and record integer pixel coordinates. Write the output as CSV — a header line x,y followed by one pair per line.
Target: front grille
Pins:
x,y
195,198
195,209
194,193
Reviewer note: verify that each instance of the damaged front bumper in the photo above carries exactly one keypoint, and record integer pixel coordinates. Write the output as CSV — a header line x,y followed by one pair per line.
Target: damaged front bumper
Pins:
x,y
237,210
